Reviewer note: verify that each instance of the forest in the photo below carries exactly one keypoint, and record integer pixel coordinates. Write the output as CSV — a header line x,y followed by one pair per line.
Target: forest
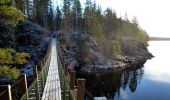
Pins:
x,y
90,36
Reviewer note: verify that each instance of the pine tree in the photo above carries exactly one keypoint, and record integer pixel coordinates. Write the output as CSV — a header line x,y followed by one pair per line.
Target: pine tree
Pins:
x,y
110,23
94,27
41,11
58,19
87,15
9,14
50,18
76,15
66,11
10,17
9,57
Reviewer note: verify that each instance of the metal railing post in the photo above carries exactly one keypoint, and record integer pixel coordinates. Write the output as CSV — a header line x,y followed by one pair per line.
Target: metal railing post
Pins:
x,y
34,91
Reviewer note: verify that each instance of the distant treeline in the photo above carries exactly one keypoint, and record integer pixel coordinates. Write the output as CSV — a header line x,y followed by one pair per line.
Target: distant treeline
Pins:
x,y
159,39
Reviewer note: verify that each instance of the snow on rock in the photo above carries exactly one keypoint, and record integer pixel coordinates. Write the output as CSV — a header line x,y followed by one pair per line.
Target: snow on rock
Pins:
x,y
87,55
30,38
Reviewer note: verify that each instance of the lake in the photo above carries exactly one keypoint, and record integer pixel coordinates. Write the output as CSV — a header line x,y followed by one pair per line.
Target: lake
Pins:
x,y
151,82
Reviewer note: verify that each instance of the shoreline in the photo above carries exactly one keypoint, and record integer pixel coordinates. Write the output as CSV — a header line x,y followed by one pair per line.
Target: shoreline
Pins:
x,y
131,63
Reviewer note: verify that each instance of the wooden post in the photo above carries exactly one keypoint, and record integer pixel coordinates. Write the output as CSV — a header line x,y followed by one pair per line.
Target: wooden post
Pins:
x,y
7,93
23,85
66,69
91,98
40,66
72,79
64,90
46,71
35,71
81,89
37,88
42,78
62,60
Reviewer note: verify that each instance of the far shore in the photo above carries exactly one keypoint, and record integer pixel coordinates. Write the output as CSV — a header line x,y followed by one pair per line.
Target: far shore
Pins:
x,y
159,39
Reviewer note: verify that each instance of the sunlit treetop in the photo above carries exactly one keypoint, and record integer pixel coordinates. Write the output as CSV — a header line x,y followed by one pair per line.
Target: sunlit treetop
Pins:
x,y
4,1
9,15
10,56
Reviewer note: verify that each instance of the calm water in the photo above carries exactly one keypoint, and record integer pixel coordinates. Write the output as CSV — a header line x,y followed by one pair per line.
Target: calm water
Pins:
x,y
152,82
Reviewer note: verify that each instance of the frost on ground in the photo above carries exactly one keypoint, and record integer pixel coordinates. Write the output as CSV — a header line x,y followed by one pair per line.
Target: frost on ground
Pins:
x,y
30,38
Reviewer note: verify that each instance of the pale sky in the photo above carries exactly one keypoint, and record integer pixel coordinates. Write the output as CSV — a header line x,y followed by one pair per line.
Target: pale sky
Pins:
x,y
153,15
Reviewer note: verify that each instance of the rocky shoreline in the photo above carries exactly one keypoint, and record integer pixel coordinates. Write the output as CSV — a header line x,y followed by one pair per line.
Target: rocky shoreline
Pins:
x,y
132,61
127,63
94,60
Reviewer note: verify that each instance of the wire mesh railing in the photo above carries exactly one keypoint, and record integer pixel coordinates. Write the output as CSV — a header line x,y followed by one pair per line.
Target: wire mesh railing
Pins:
x,y
35,91
72,88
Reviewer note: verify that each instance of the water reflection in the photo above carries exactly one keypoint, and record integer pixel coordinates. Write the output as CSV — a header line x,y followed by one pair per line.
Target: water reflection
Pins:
x,y
152,82
110,83
158,68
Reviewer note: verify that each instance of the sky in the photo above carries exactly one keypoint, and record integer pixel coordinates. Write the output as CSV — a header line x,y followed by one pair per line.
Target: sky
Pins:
x,y
153,15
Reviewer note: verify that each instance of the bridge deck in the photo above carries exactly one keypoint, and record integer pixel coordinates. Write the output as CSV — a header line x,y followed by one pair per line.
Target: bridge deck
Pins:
x,y
52,90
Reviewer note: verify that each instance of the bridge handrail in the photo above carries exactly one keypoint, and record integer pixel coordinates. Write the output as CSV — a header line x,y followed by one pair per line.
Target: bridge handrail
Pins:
x,y
20,90
39,74
64,82
70,89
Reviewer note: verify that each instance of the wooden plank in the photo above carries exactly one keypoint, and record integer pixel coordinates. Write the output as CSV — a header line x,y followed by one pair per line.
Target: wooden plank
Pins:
x,y
52,90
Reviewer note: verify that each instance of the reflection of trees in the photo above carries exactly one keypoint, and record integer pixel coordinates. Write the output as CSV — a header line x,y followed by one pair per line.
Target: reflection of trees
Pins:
x,y
108,84
133,81
125,79
131,78
105,85
135,77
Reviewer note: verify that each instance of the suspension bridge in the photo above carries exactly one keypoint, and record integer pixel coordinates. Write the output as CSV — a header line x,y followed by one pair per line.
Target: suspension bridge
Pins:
x,y
52,81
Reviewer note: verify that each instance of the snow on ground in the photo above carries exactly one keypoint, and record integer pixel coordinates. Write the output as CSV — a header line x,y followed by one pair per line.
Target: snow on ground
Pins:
x,y
28,69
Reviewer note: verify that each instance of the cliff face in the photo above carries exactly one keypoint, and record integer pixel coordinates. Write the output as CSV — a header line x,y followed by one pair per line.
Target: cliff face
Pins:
x,y
86,55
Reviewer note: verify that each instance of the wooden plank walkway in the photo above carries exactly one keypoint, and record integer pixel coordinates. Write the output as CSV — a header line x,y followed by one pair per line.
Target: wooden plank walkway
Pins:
x,y
52,90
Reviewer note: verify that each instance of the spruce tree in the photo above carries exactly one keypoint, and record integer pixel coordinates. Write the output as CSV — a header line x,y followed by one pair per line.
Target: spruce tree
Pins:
x,y
9,57
58,19
94,27
9,14
76,15
50,18
66,11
